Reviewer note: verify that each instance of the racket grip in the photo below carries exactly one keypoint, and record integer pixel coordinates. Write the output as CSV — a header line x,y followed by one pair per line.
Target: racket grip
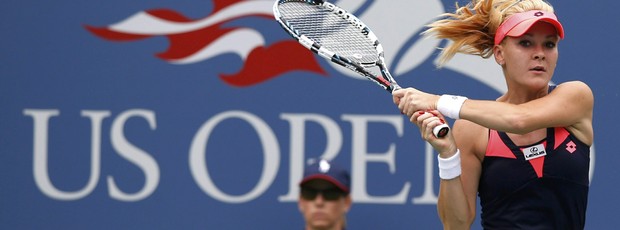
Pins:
x,y
395,87
441,130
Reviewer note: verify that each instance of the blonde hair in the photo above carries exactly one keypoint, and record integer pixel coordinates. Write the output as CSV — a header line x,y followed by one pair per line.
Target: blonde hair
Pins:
x,y
472,28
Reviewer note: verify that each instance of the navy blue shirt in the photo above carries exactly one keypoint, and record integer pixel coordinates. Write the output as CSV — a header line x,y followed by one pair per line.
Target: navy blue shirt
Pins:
x,y
539,186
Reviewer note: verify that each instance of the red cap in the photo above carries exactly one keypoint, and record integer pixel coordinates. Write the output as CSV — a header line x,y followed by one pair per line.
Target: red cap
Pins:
x,y
517,24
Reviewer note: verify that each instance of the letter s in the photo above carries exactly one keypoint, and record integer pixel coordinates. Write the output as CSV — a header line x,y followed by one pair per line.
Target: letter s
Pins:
x,y
134,155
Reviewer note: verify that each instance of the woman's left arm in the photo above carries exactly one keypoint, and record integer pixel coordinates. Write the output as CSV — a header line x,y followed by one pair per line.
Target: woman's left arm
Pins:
x,y
570,105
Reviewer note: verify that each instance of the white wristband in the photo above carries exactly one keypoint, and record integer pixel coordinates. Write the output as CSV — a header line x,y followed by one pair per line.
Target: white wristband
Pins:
x,y
450,168
450,105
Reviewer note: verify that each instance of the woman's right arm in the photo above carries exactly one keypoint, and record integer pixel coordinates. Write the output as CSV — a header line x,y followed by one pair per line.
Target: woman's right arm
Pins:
x,y
457,197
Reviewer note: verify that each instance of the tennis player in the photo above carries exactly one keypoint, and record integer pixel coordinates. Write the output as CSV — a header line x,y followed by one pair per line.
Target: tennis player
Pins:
x,y
526,154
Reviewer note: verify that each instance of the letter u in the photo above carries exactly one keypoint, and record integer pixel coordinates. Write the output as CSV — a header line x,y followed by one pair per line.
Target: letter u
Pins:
x,y
40,146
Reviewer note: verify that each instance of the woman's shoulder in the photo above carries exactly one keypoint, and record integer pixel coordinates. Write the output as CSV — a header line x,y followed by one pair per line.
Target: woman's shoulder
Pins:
x,y
574,86
574,92
579,93
471,136
467,126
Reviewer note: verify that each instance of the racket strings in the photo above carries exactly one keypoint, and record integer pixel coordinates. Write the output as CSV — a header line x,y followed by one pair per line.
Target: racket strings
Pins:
x,y
330,31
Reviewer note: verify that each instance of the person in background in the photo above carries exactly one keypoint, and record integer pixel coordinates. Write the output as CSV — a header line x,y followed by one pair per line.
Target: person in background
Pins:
x,y
525,154
324,198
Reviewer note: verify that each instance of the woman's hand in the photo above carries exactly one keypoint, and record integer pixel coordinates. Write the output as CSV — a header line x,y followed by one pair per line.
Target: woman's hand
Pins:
x,y
411,100
426,121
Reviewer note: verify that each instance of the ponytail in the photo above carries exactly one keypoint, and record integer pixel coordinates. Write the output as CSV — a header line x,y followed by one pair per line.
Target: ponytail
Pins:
x,y
471,28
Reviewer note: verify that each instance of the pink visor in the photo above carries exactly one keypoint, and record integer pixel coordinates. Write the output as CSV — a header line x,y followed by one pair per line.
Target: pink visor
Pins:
x,y
517,24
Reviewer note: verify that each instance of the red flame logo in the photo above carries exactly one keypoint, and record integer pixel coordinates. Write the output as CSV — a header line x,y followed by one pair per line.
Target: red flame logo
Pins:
x,y
192,41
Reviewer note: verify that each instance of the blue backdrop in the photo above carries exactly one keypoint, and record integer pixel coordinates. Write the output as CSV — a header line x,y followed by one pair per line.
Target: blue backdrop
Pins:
x,y
168,114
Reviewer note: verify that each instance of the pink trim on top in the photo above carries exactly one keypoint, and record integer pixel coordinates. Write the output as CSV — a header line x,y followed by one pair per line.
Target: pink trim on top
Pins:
x,y
497,148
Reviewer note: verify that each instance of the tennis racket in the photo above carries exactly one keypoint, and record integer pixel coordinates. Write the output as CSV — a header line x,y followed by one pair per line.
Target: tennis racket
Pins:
x,y
339,36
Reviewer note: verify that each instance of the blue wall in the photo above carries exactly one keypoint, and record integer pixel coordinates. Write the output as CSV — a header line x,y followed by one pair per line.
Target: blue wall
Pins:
x,y
103,126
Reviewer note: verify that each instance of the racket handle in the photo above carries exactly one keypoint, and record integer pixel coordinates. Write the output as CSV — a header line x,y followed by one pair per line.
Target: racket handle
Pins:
x,y
441,130
395,87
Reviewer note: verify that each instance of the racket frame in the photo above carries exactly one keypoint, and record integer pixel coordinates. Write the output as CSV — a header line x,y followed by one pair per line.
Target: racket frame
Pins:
x,y
387,82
